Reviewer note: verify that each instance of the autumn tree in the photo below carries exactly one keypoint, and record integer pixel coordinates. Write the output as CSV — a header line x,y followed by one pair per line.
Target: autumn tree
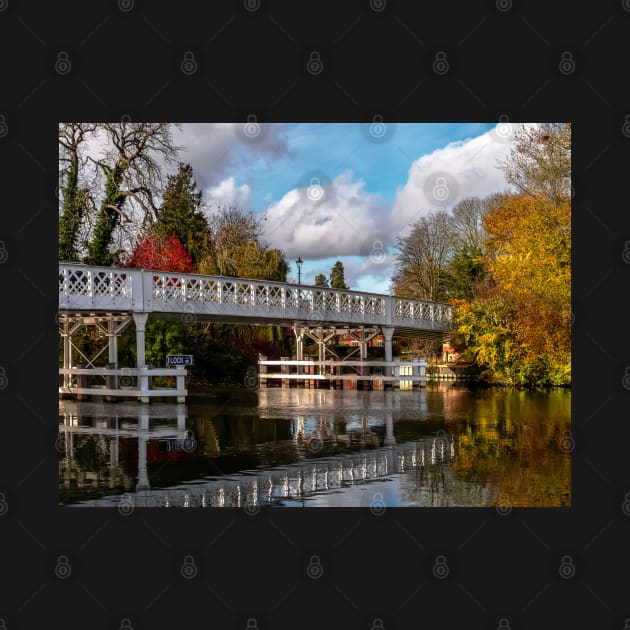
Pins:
x,y
422,257
165,254
540,161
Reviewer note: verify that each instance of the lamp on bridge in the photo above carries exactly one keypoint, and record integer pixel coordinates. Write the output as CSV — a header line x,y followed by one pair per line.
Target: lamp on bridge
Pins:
x,y
299,262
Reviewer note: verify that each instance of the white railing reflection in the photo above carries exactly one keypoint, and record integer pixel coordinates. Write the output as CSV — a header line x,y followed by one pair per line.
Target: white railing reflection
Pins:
x,y
297,482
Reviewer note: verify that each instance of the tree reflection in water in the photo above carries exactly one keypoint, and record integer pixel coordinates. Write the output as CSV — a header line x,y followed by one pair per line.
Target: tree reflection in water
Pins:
x,y
446,445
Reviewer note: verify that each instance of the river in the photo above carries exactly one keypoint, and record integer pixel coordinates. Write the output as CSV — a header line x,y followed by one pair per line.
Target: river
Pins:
x,y
446,445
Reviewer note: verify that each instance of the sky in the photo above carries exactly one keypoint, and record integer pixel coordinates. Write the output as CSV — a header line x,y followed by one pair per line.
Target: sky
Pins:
x,y
341,191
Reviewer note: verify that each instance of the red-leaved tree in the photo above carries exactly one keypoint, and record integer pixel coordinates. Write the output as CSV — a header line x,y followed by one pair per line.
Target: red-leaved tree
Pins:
x,y
155,252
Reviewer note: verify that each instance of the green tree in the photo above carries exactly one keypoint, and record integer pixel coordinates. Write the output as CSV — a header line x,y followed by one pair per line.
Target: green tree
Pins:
x,y
181,213
463,273
72,138
236,249
337,276
321,281
132,169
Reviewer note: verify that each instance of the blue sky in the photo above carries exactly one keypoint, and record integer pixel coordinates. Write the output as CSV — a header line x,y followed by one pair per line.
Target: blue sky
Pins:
x,y
333,149
372,186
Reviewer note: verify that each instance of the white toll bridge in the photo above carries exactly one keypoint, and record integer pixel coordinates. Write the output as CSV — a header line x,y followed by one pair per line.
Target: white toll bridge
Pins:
x,y
111,298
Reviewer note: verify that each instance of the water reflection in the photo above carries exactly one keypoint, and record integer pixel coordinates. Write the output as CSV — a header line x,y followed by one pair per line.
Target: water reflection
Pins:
x,y
441,446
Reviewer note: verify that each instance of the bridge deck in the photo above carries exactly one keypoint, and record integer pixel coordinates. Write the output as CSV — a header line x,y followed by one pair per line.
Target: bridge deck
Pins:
x,y
193,297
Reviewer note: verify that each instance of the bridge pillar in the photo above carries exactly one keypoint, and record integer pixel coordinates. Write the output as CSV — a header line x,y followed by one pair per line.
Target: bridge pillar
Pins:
x,y
299,351
388,334
67,355
143,474
390,440
140,320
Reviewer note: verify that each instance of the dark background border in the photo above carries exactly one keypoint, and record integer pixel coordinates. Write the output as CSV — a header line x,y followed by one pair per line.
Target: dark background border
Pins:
x,y
503,58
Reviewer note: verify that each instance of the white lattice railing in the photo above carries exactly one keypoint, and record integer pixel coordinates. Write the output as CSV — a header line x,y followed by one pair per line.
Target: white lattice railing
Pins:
x,y
82,287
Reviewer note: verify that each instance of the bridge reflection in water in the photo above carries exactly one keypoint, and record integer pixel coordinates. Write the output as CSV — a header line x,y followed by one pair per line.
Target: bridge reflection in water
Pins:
x,y
325,453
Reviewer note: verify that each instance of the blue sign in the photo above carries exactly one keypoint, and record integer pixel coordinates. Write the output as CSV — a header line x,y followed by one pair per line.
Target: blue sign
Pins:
x,y
180,359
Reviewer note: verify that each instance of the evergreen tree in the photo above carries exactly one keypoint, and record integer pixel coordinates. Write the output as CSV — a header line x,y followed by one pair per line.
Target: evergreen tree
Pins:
x,y
321,281
337,279
181,214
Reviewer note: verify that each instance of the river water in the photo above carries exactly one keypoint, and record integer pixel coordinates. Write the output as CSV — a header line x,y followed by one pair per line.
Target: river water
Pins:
x,y
446,445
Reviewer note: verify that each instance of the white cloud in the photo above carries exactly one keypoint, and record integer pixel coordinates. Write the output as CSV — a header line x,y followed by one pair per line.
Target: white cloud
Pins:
x,y
338,219
442,178
227,192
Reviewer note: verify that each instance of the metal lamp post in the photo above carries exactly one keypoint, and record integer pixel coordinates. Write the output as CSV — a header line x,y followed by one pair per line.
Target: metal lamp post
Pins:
x,y
299,263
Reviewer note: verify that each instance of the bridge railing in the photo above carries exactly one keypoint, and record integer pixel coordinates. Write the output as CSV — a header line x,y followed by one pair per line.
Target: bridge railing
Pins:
x,y
83,286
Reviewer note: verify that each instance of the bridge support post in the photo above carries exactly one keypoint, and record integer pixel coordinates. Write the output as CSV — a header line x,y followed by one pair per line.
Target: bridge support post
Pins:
x,y
140,320
388,334
143,428
67,355
299,352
